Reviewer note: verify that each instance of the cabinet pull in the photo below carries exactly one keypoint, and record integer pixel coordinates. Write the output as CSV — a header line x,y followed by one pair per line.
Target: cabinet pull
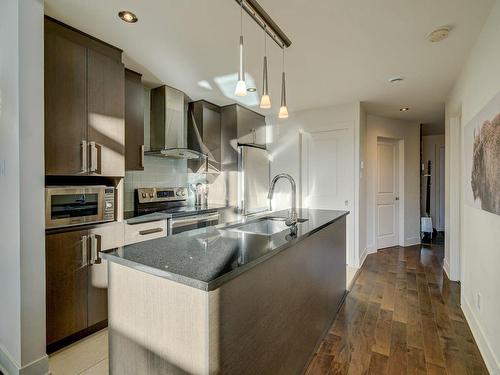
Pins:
x,y
93,156
95,249
85,254
150,231
84,156
141,150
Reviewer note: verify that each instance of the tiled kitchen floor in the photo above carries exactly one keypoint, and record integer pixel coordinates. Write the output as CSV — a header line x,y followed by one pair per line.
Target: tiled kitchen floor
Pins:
x,y
86,357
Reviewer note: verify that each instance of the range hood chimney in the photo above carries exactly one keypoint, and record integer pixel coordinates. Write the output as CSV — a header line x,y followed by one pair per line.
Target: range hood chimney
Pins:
x,y
168,129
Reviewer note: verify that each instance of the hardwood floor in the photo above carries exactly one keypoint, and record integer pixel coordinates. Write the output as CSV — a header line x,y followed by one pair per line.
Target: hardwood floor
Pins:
x,y
402,316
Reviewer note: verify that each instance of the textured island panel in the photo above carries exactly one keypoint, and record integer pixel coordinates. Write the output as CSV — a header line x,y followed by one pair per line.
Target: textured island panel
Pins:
x,y
156,326
271,319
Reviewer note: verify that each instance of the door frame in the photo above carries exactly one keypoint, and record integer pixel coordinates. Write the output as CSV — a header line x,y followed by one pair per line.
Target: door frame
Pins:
x,y
401,180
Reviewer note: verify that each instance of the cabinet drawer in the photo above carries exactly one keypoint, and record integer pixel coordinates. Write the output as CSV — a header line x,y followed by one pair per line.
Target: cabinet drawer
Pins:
x,y
145,231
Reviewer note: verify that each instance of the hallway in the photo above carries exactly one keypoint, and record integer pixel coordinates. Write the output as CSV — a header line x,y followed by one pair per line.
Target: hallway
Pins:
x,y
402,316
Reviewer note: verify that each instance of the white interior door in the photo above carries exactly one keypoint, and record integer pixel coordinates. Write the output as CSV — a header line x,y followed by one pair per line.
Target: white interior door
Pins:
x,y
387,194
329,180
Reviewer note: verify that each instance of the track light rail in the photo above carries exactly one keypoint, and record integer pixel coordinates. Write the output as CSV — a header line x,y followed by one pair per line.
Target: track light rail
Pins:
x,y
264,20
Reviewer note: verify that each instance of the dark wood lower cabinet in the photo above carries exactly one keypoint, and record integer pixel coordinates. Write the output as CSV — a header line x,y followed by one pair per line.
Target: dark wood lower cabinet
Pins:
x,y
76,291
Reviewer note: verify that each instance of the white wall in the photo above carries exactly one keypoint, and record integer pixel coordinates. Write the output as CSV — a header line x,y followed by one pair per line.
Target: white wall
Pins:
x,y
22,254
410,133
284,137
430,151
477,84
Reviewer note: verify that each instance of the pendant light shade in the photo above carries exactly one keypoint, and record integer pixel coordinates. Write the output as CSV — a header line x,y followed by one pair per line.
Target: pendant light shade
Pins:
x,y
265,101
283,109
241,87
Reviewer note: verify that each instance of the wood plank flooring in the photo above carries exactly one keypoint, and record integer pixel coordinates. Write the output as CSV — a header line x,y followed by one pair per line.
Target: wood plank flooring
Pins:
x,y
402,316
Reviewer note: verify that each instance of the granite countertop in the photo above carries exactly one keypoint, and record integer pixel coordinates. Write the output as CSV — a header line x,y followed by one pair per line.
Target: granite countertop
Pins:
x,y
131,218
208,257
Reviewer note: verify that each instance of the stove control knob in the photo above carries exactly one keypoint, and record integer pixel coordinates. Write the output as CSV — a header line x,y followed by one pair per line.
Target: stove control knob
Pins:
x,y
178,193
183,193
144,195
151,195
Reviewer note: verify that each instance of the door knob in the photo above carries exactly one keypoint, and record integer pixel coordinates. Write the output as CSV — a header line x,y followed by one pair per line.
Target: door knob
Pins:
x,y
397,198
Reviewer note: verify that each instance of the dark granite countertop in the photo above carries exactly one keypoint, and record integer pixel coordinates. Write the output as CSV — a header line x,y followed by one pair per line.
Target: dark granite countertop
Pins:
x,y
208,257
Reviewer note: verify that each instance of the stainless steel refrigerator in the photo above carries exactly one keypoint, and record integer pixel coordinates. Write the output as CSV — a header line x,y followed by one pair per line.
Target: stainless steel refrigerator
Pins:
x,y
253,179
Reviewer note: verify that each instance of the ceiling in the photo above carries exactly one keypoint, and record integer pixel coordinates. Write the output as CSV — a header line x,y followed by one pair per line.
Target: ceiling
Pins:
x,y
342,50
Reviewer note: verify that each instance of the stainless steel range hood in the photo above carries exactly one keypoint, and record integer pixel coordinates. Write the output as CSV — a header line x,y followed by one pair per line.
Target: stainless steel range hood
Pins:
x,y
168,129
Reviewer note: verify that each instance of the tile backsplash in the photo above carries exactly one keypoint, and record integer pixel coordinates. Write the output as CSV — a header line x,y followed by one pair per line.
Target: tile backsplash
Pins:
x,y
158,172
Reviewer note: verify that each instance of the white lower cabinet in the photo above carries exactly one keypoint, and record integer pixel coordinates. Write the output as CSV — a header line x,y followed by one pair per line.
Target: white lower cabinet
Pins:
x,y
144,231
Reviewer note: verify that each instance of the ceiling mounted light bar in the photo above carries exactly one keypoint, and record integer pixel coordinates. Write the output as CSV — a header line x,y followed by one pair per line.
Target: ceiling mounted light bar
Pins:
x,y
259,15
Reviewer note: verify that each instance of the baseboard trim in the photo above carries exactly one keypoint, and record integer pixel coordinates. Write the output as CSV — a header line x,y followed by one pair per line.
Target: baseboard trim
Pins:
x,y
10,367
446,268
371,249
412,241
492,363
362,259
354,278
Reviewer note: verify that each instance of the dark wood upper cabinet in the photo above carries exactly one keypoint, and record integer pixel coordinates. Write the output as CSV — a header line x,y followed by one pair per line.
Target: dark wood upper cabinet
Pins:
x,y
204,135
84,104
134,121
66,284
106,114
65,105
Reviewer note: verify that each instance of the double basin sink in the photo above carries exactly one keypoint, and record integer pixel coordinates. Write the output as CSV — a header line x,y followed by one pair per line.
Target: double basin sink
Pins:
x,y
266,226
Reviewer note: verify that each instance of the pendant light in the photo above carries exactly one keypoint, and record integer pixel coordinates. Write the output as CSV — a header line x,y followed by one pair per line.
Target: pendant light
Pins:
x,y
241,87
283,110
265,101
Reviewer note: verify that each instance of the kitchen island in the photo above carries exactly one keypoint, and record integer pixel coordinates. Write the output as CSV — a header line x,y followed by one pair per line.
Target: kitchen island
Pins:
x,y
241,298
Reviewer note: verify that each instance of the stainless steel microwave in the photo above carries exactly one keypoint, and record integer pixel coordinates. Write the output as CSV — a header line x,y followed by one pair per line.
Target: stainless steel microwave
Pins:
x,y
76,205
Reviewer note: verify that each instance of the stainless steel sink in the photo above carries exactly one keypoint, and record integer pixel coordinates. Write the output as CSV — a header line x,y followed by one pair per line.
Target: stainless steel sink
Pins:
x,y
264,226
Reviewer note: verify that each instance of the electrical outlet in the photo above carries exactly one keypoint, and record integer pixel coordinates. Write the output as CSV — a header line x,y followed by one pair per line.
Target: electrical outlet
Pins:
x,y
478,301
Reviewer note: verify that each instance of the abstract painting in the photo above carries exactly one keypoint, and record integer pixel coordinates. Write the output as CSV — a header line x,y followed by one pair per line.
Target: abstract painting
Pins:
x,y
482,158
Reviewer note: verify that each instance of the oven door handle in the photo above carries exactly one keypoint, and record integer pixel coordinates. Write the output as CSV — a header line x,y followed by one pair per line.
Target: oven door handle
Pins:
x,y
193,219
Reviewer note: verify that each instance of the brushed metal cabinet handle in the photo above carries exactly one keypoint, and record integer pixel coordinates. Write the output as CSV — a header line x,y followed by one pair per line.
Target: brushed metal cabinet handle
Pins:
x,y
150,231
84,156
141,150
94,249
93,156
84,247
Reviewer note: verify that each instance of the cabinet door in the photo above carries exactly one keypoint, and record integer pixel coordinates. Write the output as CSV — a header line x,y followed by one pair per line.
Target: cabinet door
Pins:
x,y
66,259
211,133
65,104
102,237
106,112
134,121
251,127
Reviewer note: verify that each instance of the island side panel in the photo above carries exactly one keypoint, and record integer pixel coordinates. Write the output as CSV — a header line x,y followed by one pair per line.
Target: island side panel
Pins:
x,y
270,319
156,326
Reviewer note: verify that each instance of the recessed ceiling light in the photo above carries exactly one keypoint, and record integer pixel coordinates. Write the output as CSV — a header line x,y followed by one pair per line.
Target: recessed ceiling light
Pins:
x,y
396,79
404,109
438,34
251,89
127,16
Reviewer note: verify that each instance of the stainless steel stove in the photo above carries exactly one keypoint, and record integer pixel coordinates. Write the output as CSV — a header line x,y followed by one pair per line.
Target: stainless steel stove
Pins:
x,y
174,202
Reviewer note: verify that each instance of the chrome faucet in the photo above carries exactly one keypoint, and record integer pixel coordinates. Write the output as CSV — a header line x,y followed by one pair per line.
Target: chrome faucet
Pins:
x,y
292,216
